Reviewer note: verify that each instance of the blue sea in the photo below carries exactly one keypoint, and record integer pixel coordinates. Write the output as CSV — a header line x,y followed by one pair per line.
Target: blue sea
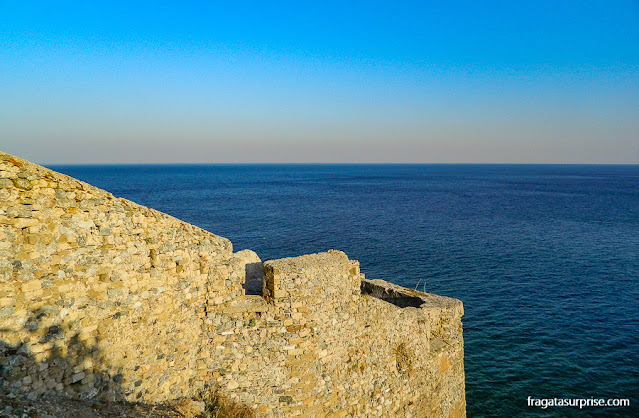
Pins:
x,y
544,257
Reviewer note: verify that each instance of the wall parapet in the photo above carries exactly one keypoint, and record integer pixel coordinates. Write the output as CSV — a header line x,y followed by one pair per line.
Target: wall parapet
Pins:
x,y
297,277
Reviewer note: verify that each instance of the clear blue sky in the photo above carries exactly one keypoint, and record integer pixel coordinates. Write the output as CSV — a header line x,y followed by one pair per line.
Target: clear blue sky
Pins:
x,y
452,81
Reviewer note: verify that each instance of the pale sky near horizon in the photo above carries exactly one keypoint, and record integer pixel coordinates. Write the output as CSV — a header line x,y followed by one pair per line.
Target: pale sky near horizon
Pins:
x,y
244,82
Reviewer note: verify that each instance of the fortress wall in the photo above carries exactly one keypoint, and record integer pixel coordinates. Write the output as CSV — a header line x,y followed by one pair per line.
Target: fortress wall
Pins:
x,y
315,345
101,297
351,353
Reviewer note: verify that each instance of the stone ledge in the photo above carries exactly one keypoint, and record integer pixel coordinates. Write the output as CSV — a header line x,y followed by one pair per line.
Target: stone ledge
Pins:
x,y
404,297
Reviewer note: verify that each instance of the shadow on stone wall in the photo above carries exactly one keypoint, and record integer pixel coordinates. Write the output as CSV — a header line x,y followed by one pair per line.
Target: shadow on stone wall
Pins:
x,y
55,360
390,293
254,276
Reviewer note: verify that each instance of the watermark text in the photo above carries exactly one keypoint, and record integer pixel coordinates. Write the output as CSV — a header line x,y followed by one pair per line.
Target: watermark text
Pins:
x,y
577,403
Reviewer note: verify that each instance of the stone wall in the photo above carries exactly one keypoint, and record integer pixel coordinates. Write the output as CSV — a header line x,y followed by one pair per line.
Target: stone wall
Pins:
x,y
99,295
104,298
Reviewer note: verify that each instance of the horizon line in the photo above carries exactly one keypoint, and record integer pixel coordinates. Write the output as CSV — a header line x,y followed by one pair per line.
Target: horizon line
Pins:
x,y
322,163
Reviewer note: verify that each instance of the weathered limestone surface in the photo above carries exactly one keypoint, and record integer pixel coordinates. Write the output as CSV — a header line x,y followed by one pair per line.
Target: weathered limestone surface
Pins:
x,y
104,298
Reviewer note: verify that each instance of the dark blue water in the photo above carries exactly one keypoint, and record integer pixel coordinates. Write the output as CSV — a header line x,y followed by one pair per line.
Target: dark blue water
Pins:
x,y
545,258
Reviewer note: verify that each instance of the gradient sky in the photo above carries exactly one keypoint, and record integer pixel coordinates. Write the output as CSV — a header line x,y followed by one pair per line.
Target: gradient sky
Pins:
x,y
329,81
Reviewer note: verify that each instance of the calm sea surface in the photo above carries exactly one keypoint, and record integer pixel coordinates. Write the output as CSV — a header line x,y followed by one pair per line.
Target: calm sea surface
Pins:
x,y
545,258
